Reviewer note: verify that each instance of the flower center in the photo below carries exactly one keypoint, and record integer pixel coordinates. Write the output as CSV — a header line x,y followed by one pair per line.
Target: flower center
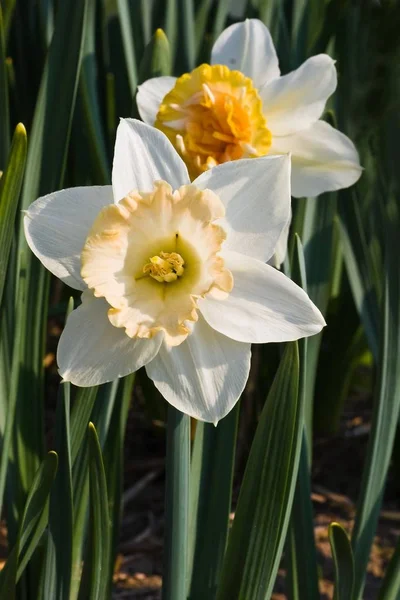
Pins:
x,y
167,266
214,115
152,255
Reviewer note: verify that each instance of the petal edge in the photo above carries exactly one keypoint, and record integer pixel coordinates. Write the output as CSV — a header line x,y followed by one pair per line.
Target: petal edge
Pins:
x,y
247,47
203,377
91,351
323,159
256,195
56,227
143,155
150,95
264,305
297,100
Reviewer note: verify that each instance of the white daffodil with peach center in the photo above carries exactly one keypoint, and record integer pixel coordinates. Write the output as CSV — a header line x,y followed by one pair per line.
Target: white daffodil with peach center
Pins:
x,y
241,107
141,257
173,273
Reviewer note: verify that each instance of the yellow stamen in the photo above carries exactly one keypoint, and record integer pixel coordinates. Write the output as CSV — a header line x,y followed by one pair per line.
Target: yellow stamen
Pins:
x,y
165,267
214,115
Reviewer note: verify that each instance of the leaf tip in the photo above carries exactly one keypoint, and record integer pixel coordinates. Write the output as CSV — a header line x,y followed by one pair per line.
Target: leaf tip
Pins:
x,y
160,35
20,129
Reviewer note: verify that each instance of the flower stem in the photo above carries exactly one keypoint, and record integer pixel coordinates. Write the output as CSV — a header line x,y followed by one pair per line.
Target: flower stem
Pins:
x,y
176,506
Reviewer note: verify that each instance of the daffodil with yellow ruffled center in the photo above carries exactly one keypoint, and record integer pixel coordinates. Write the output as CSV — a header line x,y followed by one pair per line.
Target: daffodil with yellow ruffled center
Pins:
x,y
152,255
240,106
173,273
214,115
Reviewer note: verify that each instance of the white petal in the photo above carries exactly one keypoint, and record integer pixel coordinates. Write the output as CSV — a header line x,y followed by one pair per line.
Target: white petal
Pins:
x,y
247,47
204,376
91,351
150,95
143,155
56,227
264,305
281,247
256,195
323,159
295,101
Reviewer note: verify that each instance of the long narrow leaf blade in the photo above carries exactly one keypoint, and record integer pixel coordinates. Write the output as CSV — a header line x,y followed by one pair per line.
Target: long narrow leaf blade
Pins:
x,y
128,43
391,584
80,416
55,103
57,578
10,187
213,459
385,416
35,515
301,551
343,561
4,99
265,501
100,525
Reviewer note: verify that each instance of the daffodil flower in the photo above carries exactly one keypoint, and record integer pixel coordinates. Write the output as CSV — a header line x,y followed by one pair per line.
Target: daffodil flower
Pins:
x,y
173,273
241,107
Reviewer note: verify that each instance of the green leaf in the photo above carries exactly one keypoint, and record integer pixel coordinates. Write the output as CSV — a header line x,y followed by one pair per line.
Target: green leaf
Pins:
x,y
58,567
145,10
80,416
343,561
114,465
8,14
223,7
127,40
14,382
99,520
356,257
301,552
202,15
176,506
186,59
101,413
55,103
35,517
171,25
88,93
80,486
47,154
328,24
32,526
10,187
391,584
156,60
211,477
316,233
265,501
4,99
385,413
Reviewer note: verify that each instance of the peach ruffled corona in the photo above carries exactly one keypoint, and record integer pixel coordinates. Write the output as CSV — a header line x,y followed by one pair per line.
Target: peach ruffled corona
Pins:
x,y
152,282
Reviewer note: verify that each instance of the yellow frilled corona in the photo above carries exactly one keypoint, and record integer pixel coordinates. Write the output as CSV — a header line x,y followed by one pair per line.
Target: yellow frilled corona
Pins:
x,y
214,115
